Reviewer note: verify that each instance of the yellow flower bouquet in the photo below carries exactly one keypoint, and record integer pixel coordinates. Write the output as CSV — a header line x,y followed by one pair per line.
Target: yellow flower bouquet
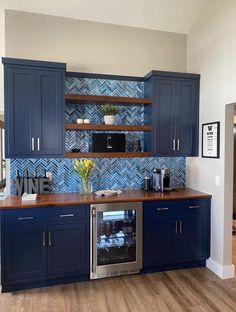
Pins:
x,y
84,168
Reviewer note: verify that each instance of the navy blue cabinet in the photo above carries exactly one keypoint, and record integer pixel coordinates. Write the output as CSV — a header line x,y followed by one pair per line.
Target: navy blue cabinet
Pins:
x,y
34,108
174,113
44,246
67,250
176,232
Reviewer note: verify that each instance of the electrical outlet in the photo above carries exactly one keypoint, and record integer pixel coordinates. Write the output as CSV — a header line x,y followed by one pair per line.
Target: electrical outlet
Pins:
x,y
217,180
49,175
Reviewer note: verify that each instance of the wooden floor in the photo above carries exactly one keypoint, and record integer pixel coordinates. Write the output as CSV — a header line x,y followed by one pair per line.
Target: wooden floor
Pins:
x,y
194,290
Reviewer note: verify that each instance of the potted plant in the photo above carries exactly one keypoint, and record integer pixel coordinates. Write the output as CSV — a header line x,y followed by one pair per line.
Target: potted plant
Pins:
x,y
109,111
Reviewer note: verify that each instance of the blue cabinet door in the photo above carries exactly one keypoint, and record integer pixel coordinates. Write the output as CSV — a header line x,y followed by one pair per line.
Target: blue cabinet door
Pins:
x,y
173,115
25,255
50,112
186,133
20,111
34,108
160,241
68,249
164,123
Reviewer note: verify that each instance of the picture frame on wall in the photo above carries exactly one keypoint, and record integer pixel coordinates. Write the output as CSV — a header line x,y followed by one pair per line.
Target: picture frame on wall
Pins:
x,y
211,140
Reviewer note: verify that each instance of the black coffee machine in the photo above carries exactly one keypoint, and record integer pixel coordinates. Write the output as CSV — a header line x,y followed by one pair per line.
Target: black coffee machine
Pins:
x,y
161,179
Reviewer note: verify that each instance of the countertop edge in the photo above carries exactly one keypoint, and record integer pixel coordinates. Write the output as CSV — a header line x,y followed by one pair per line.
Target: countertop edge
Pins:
x,y
62,199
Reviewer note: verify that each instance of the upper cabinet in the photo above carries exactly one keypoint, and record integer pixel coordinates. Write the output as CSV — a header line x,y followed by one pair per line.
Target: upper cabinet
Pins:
x,y
34,108
174,113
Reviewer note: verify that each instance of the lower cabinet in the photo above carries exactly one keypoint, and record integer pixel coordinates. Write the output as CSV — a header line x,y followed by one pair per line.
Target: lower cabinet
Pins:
x,y
44,246
176,233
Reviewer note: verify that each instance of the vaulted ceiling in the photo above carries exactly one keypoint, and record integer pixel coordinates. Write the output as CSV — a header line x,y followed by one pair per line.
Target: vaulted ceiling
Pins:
x,y
166,15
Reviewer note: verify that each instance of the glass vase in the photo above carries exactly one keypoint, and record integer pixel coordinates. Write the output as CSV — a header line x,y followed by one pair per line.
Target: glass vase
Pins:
x,y
86,186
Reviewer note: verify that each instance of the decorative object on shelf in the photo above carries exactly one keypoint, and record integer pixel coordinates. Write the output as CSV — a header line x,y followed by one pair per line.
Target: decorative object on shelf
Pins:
x,y
211,140
75,150
80,121
84,168
86,121
109,112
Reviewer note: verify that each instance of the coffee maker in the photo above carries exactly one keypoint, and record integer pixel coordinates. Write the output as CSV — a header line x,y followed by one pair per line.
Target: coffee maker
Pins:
x,y
161,179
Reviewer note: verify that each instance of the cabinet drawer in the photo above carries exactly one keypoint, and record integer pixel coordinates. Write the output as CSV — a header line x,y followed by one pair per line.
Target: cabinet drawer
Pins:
x,y
159,208
67,213
190,206
24,217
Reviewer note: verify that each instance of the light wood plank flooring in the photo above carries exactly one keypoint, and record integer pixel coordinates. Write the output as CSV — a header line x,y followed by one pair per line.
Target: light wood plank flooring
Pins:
x,y
194,290
184,290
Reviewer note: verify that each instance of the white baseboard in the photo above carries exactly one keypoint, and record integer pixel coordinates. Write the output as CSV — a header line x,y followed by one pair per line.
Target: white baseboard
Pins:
x,y
223,272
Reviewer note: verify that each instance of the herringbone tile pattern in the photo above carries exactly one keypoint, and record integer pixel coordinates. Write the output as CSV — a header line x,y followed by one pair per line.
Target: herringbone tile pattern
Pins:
x,y
111,173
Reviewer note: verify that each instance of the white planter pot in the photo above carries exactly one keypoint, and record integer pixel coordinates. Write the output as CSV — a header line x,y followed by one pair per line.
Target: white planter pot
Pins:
x,y
109,120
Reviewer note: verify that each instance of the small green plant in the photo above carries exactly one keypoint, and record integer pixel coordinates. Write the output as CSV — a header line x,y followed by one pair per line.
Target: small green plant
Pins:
x,y
109,109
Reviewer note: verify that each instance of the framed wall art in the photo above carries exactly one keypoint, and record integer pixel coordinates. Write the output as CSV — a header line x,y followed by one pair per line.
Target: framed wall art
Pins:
x,y
211,140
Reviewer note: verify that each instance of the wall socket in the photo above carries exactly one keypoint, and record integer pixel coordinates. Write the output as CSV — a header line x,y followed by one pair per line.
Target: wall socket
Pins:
x,y
49,175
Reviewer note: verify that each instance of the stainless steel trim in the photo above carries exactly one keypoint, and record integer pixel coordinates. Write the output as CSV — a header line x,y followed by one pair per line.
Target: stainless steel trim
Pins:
x,y
117,268
25,218
66,215
176,227
180,226
173,146
38,143
94,241
161,209
32,144
178,145
44,239
49,239
193,207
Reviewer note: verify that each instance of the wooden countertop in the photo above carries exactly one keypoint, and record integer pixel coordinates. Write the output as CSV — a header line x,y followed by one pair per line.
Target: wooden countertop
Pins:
x,y
69,199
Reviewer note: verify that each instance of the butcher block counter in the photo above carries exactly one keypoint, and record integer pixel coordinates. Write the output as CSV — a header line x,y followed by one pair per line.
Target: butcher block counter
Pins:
x,y
72,199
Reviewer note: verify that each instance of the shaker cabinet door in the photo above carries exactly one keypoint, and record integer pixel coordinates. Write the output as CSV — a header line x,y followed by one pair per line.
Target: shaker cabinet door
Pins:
x,y
25,255
20,111
186,117
68,249
50,108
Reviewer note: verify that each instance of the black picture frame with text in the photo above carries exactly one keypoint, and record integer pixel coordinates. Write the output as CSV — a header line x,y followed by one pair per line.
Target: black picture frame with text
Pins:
x,y
211,140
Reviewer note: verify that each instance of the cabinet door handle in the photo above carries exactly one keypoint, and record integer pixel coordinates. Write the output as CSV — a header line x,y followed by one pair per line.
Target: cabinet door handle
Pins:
x,y
32,144
161,209
49,239
44,239
178,145
193,207
180,226
176,227
173,145
38,143
67,215
25,218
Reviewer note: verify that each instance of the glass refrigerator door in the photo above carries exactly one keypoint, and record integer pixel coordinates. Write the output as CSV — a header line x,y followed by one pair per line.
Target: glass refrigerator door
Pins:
x,y
116,237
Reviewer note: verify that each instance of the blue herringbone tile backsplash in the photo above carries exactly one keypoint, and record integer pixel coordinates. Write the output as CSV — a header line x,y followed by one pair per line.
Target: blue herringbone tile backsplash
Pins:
x,y
111,173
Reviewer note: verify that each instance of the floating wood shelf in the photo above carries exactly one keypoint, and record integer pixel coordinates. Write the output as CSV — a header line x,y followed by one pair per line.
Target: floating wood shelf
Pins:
x,y
82,99
108,127
109,155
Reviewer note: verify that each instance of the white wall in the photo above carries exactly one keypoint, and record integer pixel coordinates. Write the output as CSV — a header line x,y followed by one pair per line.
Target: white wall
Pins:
x,y
212,53
93,47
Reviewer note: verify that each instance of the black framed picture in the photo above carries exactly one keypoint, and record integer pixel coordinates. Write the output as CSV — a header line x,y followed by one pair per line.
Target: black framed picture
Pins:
x,y
211,140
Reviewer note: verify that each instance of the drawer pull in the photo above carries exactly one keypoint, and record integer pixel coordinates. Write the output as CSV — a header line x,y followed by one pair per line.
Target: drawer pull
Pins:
x,y
25,218
66,215
162,209
49,238
44,239
193,207
180,226
176,227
